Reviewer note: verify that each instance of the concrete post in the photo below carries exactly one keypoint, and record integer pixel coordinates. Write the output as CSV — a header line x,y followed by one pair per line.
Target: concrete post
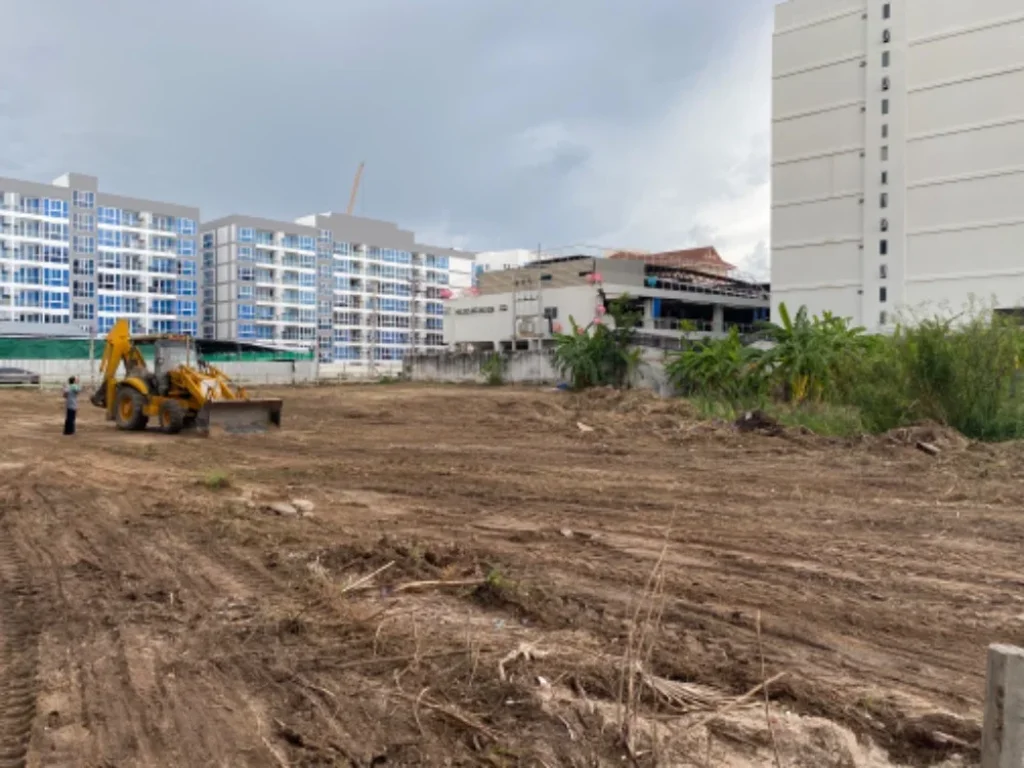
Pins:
x,y
1002,736
718,319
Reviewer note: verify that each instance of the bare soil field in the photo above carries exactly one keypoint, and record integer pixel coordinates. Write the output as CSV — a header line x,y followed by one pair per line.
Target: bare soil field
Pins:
x,y
470,577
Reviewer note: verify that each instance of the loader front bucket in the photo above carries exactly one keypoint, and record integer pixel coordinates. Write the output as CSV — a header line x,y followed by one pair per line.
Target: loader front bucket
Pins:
x,y
239,416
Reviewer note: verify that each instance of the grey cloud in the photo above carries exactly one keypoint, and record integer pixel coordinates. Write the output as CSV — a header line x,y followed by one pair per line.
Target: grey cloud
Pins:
x,y
758,263
267,108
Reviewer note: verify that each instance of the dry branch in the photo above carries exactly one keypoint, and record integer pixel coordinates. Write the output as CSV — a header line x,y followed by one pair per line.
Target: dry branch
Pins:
x,y
414,585
359,582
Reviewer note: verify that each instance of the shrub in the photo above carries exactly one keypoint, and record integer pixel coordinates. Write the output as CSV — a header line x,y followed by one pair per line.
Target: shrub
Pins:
x,y
600,353
724,367
837,379
217,479
493,370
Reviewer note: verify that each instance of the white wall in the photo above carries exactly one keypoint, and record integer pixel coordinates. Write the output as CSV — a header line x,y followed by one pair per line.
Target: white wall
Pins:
x,y
951,146
523,367
462,325
460,272
491,261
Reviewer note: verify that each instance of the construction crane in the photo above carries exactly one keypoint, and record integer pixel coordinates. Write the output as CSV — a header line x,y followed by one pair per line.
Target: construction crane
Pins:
x,y
355,189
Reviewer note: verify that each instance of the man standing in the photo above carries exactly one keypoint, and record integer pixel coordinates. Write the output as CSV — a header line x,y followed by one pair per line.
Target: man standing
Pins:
x,y
70,404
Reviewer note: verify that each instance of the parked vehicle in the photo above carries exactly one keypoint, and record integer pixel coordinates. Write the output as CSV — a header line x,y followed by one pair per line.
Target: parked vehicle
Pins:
x,y
18,377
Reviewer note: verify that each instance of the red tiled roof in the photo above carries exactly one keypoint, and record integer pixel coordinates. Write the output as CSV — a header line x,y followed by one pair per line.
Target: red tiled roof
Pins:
x,y
690,258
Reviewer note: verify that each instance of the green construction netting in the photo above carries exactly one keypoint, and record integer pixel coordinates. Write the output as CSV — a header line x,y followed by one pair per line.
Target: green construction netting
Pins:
x,y
78,349
255,357
46,349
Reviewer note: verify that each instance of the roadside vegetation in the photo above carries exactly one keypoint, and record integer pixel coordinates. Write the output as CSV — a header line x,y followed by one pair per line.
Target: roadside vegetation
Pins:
x,y
827,375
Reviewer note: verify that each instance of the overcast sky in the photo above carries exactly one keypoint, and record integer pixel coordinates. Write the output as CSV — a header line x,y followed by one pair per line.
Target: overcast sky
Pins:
x,y
484,124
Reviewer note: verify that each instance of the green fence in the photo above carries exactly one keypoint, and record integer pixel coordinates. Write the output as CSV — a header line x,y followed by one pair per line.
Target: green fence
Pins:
x,y
255,357
78,349
46,349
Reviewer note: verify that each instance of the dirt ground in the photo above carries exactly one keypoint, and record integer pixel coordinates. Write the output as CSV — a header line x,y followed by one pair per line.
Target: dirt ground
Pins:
x,y
483,581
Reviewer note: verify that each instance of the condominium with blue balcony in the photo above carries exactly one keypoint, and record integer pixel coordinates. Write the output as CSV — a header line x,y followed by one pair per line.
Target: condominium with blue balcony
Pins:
x,y
357,290
72,255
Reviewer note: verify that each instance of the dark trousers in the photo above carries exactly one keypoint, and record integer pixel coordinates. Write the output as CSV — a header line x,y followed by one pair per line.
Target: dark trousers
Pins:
x,y
69,421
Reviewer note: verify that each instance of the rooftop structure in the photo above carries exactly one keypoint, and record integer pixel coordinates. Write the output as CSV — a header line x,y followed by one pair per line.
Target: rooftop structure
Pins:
x,y
705,260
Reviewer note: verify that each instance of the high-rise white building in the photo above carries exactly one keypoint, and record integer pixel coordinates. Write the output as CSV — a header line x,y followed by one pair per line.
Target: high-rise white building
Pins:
x,y
897,156
358,290
72,255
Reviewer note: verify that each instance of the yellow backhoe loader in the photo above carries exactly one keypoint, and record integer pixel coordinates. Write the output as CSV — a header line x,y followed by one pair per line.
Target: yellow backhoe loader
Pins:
x,y
182,391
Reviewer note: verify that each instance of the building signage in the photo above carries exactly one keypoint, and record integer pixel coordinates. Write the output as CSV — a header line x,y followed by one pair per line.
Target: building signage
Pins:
x,y
481,310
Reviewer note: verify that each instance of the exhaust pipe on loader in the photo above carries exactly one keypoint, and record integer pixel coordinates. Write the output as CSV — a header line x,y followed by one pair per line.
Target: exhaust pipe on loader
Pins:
x,y
239,416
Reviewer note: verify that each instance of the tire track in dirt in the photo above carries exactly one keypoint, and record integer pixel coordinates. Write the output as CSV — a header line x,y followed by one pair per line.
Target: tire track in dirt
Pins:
x,y
19,655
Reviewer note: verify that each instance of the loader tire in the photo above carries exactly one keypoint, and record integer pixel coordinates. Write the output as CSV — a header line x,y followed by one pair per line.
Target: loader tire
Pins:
x,y
128,409
172,417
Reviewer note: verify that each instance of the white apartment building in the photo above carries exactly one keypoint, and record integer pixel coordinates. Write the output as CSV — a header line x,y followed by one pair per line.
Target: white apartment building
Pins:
x,y
897,156
71,255
360,291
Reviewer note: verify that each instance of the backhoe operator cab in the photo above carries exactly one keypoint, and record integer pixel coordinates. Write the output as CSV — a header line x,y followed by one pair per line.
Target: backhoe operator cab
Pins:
x,y
168,355
180,393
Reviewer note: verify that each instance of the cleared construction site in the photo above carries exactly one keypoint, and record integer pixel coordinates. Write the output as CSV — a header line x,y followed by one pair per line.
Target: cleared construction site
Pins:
x,y
415,575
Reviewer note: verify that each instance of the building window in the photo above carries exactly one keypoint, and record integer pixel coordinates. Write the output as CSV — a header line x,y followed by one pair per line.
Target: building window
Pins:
x,y
83,244
886,83
886,10
57,209
246,234
883,200
885,106
883,271
885,152
186,226
82,199
885,177
883,247
883,294
885,130
245,291
886,58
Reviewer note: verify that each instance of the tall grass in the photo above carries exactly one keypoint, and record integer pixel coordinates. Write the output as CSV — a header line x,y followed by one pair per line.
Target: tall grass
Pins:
x,y
833,378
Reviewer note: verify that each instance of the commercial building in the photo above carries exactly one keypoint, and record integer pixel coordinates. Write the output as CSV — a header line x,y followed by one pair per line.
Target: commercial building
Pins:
x,y
897,156
495,261
358,290
72,255
524,307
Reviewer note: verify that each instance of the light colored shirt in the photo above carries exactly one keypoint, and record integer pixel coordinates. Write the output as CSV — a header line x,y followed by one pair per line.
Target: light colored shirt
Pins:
x,y
71,396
